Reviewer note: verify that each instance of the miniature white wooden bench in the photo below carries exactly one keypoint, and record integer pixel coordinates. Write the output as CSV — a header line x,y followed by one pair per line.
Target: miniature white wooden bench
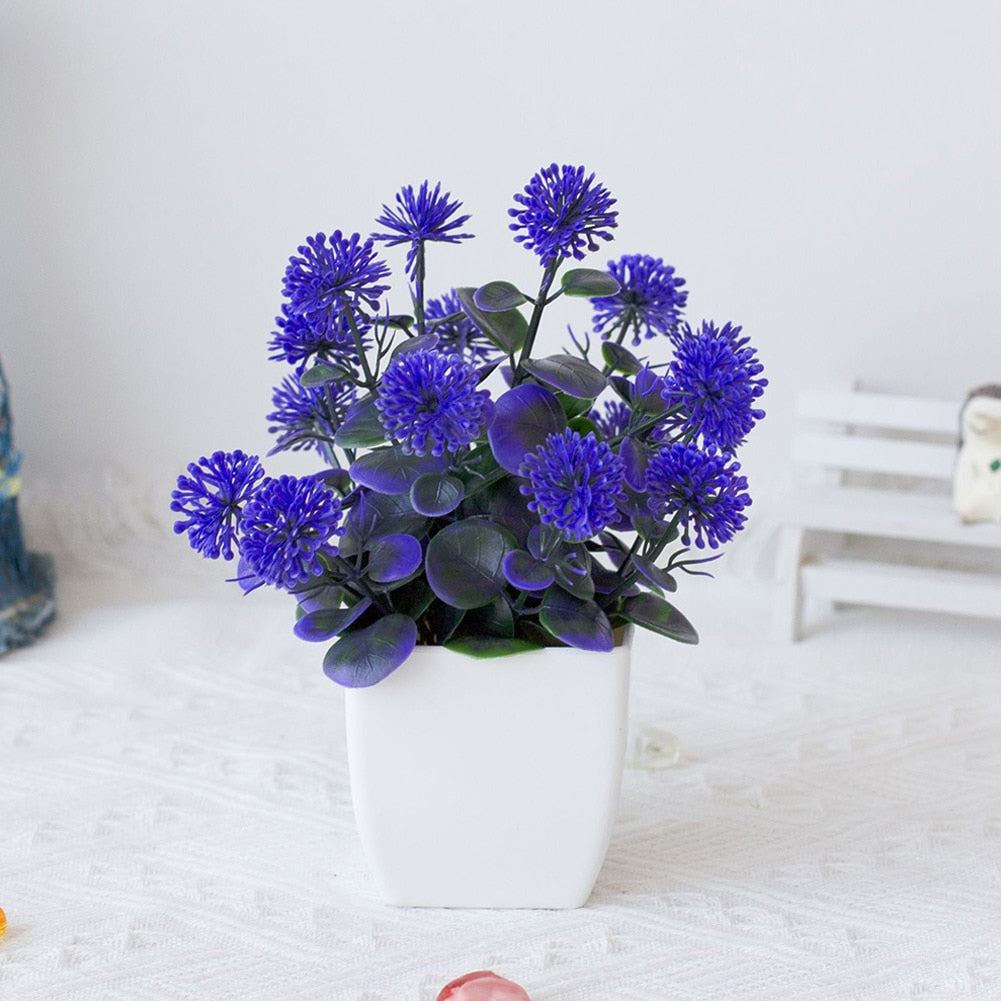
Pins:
x,y
872,523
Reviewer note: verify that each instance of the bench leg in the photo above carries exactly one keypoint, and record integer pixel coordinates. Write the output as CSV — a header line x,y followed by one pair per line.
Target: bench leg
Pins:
x,y
788,593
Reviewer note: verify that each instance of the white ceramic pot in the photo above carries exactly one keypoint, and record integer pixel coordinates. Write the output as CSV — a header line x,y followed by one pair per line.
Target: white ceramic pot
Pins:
x,y
489,783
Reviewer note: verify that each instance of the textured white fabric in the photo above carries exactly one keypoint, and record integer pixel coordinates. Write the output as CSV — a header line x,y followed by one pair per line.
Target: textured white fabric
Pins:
x,y
175,820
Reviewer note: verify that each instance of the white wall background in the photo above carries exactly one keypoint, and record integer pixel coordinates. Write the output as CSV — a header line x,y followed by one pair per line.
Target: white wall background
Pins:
x,y
825,174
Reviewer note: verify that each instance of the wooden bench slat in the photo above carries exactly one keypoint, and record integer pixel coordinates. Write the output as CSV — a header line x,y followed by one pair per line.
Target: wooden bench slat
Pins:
x,y
876,455
880,410
889,514
898,586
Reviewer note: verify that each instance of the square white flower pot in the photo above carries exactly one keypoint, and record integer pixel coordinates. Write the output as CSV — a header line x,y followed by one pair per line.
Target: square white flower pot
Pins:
x,y
489,783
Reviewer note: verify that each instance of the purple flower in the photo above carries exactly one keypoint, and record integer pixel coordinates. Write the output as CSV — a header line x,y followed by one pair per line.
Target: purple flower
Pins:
x,y
286,526
574,483
649,301
297,340
562,211
428,215
456,331
702,489
308,416
614,420
333,275
714,381
428,402
211,496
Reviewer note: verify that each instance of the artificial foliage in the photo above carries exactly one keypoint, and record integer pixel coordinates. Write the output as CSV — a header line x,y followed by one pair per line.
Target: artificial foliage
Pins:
x,y
472,493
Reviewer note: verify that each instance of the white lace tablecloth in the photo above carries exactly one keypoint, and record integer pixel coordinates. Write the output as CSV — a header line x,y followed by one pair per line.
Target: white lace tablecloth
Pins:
x,y
176,821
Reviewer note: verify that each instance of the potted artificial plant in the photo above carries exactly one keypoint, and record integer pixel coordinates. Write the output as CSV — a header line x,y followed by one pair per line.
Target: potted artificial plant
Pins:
x,y
488,527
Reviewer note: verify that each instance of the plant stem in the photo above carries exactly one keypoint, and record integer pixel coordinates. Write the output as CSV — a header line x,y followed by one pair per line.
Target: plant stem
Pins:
x,y
419,275
370,383
541,301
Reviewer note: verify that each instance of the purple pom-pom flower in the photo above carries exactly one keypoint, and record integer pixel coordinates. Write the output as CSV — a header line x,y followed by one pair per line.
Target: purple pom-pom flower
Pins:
x,y
287,526
702,489
426,215
333,274
308,416
563,212
575,483
713,382
649,302
428,402
211,497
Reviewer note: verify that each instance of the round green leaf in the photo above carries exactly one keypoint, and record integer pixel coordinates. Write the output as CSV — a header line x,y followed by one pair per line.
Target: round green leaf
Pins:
x,y
567,374
361,427
589,283
495,297
506,329
577,623
464,562
322,373
620,359
420,342
390,471
392,558
363,658
435,494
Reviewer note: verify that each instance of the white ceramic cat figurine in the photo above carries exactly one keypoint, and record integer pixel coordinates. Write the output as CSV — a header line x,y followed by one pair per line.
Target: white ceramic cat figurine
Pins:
x,y
976,492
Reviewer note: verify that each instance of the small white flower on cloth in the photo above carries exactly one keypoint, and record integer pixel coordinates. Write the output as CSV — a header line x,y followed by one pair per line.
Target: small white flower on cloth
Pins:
x,y
482,986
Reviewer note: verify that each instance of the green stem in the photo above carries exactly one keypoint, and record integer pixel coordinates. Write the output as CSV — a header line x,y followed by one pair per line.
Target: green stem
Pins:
x,y
541,301
357,582
626,578
419,276
370,382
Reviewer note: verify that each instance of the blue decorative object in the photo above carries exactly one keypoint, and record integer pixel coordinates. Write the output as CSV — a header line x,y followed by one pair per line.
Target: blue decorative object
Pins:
x,y
27,601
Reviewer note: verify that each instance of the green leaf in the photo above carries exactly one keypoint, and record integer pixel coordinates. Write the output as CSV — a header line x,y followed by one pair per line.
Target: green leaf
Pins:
x,y
506,329
393,558
496,297
657,615
363,658
397,321
361,427
577,623
620,359
567,374
436,494
420,342
322,373
390,471
440,621
583,426
374,515
490,646
325,623
464,561
574,578
589,283
657,576
492,619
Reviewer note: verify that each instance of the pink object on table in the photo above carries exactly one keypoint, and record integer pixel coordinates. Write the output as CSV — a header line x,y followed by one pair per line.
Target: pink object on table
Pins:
x,y
482,986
